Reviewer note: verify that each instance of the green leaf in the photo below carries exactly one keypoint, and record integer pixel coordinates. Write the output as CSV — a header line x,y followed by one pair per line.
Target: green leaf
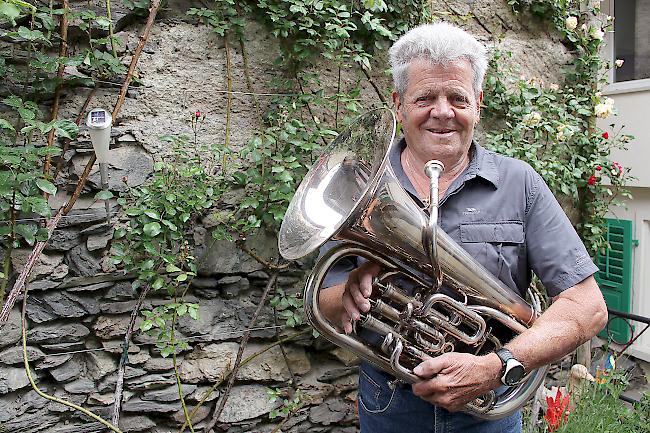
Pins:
x,y
104,195
32,35
119,233
38,205
4,124
158,283
152,214
181,277
9,11
28,232
66,129
173,268
152,229
46,186
146,325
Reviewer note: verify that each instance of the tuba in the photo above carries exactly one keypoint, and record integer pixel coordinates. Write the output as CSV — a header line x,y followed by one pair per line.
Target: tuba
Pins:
x,y
431,297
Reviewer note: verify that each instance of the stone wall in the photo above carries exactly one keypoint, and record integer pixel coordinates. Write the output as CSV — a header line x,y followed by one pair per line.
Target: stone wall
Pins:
x,y
79,306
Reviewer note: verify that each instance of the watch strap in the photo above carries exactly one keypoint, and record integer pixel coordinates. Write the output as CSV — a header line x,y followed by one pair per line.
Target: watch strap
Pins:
x,y
504,355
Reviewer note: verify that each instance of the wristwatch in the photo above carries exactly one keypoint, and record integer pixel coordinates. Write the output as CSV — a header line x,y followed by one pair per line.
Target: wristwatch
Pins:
x,y
512,371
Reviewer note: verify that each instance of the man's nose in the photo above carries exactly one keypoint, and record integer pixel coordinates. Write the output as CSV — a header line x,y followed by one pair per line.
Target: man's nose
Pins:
x,y
441,109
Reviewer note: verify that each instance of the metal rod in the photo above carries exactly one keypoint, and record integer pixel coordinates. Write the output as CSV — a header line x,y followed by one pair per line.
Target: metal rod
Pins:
x,y
103,172
434,169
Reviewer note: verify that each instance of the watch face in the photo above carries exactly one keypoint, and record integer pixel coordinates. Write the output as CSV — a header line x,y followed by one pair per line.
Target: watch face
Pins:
x,y
514,374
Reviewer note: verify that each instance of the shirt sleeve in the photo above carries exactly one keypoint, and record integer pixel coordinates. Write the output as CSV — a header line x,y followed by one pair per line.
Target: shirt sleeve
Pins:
x,y
338,274
555,251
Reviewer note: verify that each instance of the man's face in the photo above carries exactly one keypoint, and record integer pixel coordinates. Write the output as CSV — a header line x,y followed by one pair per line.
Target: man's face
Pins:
x,y
439,109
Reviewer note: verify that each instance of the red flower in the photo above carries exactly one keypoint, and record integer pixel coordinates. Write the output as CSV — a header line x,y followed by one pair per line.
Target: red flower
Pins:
x,y
605,135
598,168
592,180
197,114
557,412
618,169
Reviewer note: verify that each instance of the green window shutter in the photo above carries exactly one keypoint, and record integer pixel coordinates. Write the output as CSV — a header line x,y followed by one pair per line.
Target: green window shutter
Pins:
x,y
615,276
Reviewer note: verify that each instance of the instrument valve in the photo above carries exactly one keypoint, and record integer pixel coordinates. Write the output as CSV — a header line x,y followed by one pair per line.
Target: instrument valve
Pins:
x,y
407,313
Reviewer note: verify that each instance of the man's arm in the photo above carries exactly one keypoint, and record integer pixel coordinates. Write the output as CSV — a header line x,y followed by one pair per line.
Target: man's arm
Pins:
x,y
343,303
576,315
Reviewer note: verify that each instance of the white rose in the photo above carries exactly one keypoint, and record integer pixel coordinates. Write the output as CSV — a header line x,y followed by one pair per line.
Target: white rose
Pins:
x,y
619,62
554,87
605,108
596,33
532,119
564,132
571,23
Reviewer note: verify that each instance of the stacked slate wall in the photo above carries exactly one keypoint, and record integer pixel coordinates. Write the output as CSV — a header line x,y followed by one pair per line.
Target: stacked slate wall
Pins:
x,y
79,305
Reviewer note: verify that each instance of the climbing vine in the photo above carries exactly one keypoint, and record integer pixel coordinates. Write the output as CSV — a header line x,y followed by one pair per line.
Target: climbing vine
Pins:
x,y
553,126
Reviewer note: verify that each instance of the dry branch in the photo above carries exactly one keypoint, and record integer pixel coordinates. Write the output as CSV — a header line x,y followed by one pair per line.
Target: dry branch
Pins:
x,y
119,384
221,403
31,261
374,85
63,52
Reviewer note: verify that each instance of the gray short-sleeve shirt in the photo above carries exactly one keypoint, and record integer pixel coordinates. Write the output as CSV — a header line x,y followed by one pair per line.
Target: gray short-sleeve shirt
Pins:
x,y
503,213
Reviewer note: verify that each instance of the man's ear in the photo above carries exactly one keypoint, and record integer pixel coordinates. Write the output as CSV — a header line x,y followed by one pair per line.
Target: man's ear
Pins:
x,y
397,103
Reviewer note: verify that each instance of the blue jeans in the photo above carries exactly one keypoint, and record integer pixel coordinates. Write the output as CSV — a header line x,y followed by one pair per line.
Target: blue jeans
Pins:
x,y
387,407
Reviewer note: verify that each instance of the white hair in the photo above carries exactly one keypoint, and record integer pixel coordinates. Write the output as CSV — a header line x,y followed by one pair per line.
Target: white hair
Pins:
x,y
439,43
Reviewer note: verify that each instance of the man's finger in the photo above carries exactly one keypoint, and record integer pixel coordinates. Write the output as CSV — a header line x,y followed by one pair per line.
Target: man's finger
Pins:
x,y
366,277
430,389
346,322
350,306
430,367
359,299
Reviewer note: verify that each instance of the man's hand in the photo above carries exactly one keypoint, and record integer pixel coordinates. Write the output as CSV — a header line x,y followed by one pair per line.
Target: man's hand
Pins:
x,y
356,293
453,379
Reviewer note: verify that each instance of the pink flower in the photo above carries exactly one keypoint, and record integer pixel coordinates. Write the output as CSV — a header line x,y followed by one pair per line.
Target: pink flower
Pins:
x,y
197,114
605,135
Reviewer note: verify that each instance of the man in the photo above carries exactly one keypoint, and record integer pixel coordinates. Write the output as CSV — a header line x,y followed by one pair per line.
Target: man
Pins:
x,y
499,210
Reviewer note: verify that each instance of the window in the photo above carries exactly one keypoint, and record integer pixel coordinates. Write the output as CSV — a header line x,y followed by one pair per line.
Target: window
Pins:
x,y
632,39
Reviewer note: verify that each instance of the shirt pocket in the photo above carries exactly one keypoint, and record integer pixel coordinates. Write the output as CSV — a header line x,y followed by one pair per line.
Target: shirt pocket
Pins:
x,y
497,246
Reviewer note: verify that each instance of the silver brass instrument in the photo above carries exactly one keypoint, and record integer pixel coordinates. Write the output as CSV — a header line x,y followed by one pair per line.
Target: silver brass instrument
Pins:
x,y
432,297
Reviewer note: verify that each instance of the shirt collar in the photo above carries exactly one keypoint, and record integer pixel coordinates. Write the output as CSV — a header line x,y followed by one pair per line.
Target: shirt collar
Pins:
x,y
482,164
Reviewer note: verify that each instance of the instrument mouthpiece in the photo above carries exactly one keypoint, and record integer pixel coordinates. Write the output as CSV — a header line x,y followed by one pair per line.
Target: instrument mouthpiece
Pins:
x,y
434,168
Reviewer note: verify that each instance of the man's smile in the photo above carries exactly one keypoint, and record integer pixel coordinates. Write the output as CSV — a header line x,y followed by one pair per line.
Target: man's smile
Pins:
x,y
441,131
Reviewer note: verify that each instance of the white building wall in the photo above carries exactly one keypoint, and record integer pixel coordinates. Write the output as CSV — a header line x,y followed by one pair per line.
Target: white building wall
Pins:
x,y
632,100
638,212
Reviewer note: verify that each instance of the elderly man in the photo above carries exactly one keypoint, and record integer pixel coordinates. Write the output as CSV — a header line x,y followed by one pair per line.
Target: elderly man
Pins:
x,y
438,72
